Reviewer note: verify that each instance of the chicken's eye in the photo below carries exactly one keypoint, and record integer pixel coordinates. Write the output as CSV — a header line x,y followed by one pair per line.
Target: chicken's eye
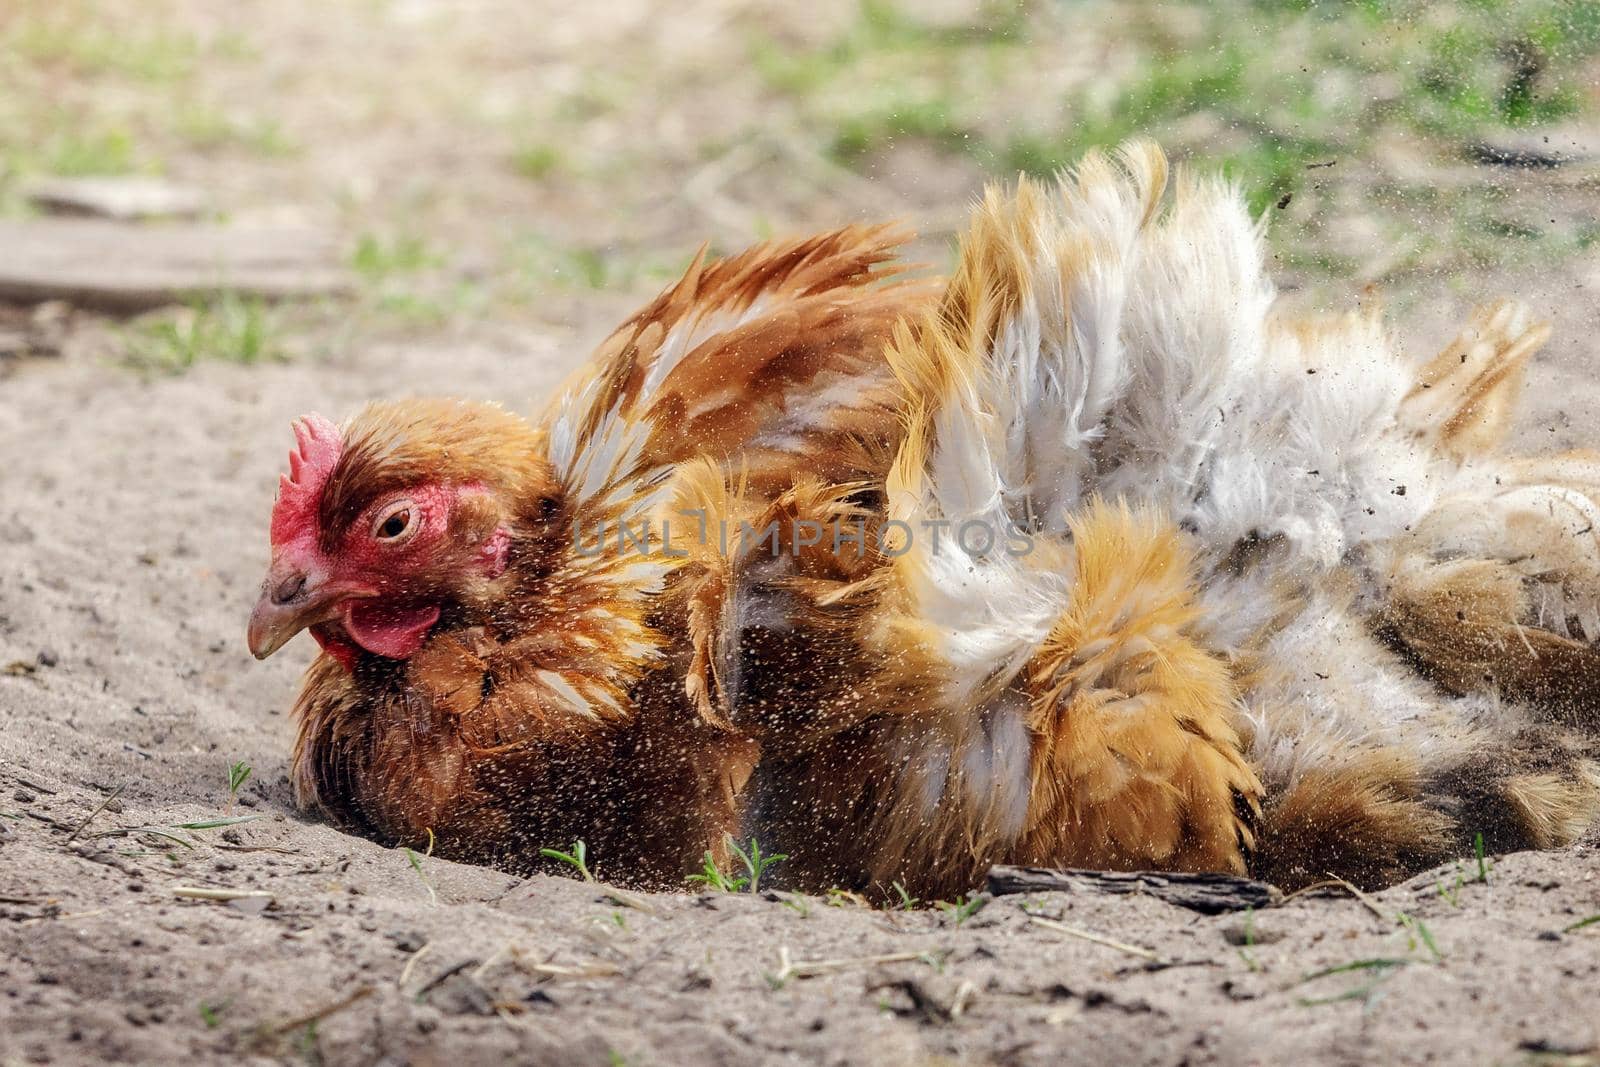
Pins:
x,y
396,523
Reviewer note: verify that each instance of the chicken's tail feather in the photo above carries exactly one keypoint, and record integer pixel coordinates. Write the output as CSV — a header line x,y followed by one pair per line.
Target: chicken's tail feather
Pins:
x,y
1008,379
1465,398
1381,814
1497,588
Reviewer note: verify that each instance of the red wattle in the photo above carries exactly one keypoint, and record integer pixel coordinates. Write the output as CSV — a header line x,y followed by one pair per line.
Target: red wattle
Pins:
x,y
389,630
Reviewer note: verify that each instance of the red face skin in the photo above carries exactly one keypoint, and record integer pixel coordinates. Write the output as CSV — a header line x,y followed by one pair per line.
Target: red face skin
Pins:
x,y
382,585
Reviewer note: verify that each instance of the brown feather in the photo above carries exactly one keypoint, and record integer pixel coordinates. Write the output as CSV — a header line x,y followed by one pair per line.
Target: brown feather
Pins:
x,y
1465,397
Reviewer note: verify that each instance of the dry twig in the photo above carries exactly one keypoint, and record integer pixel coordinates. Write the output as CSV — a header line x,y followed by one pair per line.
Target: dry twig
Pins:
x,y
405,972
789,968
322,1013
89,818
1085,935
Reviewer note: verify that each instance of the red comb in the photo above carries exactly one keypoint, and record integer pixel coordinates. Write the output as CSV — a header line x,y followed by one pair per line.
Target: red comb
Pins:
x,y
316,452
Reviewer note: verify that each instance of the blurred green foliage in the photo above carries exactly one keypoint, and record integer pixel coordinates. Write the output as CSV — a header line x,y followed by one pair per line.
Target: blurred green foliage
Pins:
x,y
1280,84
473,180
228,327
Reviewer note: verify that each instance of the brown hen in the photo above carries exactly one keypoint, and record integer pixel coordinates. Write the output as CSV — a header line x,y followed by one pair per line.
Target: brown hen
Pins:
x,y
1084,558
499,675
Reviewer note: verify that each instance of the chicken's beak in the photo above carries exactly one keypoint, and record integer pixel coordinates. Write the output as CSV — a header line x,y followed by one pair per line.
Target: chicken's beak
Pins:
x,y
293,599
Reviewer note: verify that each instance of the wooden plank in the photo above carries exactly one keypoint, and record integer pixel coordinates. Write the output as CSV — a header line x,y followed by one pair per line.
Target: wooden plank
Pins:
x,y
125,268
126,198
1210,894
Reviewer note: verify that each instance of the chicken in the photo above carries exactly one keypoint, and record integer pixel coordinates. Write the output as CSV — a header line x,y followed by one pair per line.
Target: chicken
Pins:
x,y
494,677
1084,557
1154,578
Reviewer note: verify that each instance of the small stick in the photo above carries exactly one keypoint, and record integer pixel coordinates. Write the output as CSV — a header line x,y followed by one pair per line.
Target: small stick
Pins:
x,y
494,958
1332,882
200,892
594,969
963,997
63,916
1338,883
788,968
443,976
322,1013
1073,931
405,972
1359,895
36,787
1313,887
87,819
82,914
587,970
256,848
628,900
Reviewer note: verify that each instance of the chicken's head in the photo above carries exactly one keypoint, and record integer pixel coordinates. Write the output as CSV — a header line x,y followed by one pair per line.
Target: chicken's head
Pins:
x,y
413,513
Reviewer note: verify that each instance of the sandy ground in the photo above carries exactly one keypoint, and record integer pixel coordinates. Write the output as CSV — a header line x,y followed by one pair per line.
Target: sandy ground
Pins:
x,y
132,533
